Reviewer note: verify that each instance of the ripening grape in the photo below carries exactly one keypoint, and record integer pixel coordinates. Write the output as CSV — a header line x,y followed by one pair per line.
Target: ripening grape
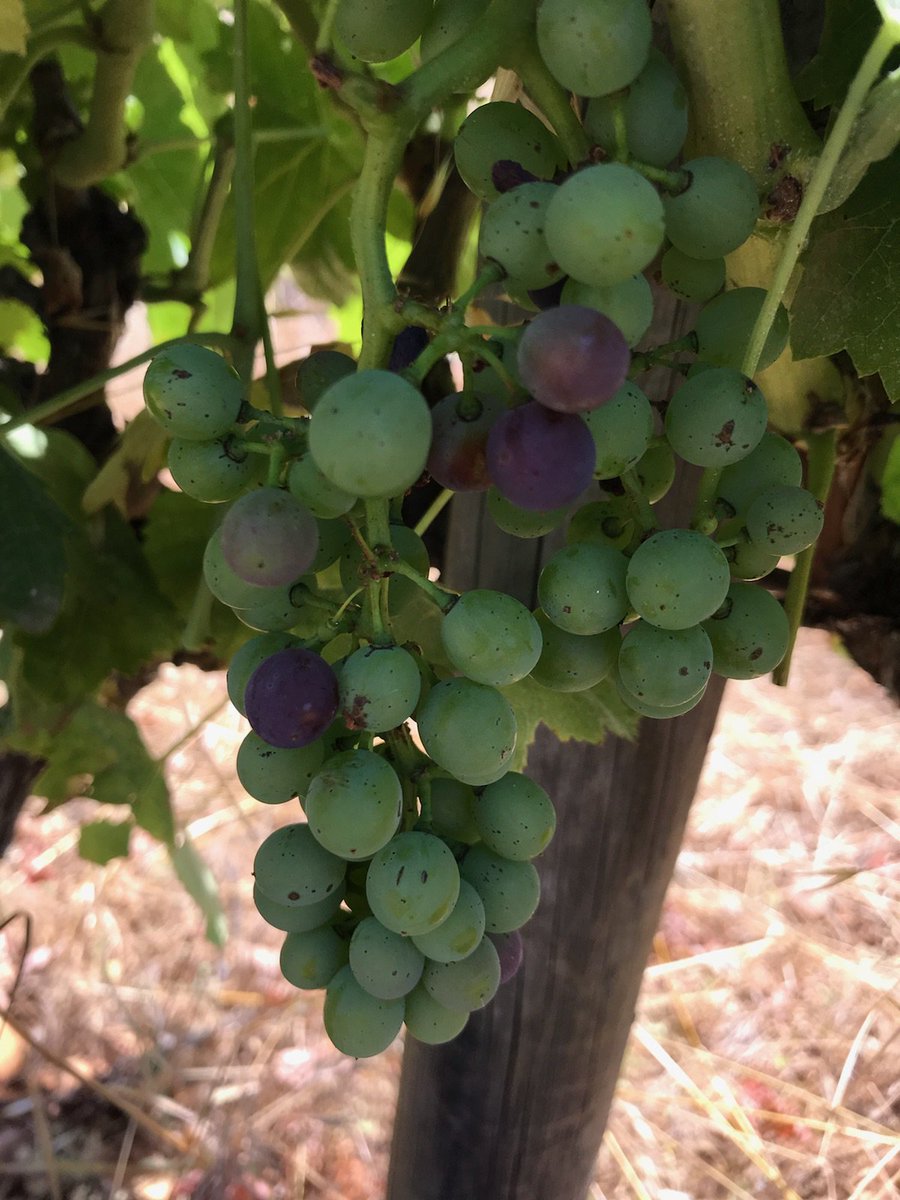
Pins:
x,y
716,212
604,224
655,470
294,918
468,984
491,637
291,867
318,372
677,578
515,817
749,633
273,775
193,392
523,522
513,234
572,662
458,936
725,324
621,429
311,959
501,130
291,697
655,109
413,883
582,588
510,951
385,963
224,584
316,492
785,520
571,358
774,462
354,804
214,471
358,1023
594,49
247,658
370,434
665,666
629,304
426,1020
378,30
540,459
408,345
509,890
453,810
469,729
268,537
379,687
693,279
716,418
461,423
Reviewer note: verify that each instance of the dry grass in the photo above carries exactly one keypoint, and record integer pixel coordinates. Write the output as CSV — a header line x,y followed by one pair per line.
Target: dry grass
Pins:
x,y
765,1061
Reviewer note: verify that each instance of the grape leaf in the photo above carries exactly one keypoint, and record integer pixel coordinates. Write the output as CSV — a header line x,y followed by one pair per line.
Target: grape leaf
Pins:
x,y
849,295
572,716
13,27
874,136
850,26
133,465
890,484
200,884
99,841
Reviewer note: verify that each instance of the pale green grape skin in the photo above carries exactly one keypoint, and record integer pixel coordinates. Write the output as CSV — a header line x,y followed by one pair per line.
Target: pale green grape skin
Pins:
x,y
573,662
385,963
604,224
622,429
413,883
582,588
597,48
453,810
501,130
193,392
281,610
784,520
629,304
515,817
430,1022
773,463
294,918
656,114
311,959
513,234
717,211
522,522
677,578
370,434
450,21
379,688
334,538
749,634
469,729
323,498
359,1024
655,470
657,711
694,279
716,418
606,522
274,776
292,868
509,890
379,30
214,471
224,584
461,933
665,667
354,804
491,637
465,985
748,561
247,658
724,327
318,371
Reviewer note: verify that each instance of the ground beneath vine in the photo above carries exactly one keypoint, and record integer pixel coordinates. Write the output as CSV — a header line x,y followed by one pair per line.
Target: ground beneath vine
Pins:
x,y
144,1064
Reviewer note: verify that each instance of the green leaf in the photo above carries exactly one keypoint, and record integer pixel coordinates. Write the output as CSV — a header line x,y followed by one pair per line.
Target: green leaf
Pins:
x,y
874,136
850,26
849,295
572,716
200,884
59,461
32,550
13,28
890,483
100,841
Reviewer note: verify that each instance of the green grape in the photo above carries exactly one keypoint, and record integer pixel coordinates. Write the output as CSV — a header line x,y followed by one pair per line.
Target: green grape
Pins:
x,y
359,1024
295,918
606,522
515,817
622,429
451,20
659,712
604,224
380,687
214,471
468,984
509,890
413,883
503,131
747,561
284,608
354,804
453,810
773,463
582,588
247,658
726,323
716,212
491,637
665,667
716,418
429,1021
655,110
749,634
385,963
572,662
597,48
677,578
629,304
193,392
522,522
378,30
655,470
693,279
458,936
469,729
334,540
273,775
318,372
370,434
323,498
311,959
292,868
784,520
513,234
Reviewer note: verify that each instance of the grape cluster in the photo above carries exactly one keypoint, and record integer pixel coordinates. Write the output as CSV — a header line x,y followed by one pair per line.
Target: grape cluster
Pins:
x,y
403,883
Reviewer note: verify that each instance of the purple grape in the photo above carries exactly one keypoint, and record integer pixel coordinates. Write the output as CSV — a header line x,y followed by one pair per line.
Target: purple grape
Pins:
x,y
268,537
291,698
572,359
540,459
408,345
461,424
510,950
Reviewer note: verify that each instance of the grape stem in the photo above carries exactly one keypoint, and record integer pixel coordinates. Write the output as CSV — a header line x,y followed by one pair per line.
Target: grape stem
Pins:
x,y
641,508
444,600
435,508
553,101
704,519
378,531
673,182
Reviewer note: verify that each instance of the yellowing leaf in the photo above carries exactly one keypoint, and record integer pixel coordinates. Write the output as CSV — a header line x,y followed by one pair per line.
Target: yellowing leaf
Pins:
x,y
13,27
140,454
